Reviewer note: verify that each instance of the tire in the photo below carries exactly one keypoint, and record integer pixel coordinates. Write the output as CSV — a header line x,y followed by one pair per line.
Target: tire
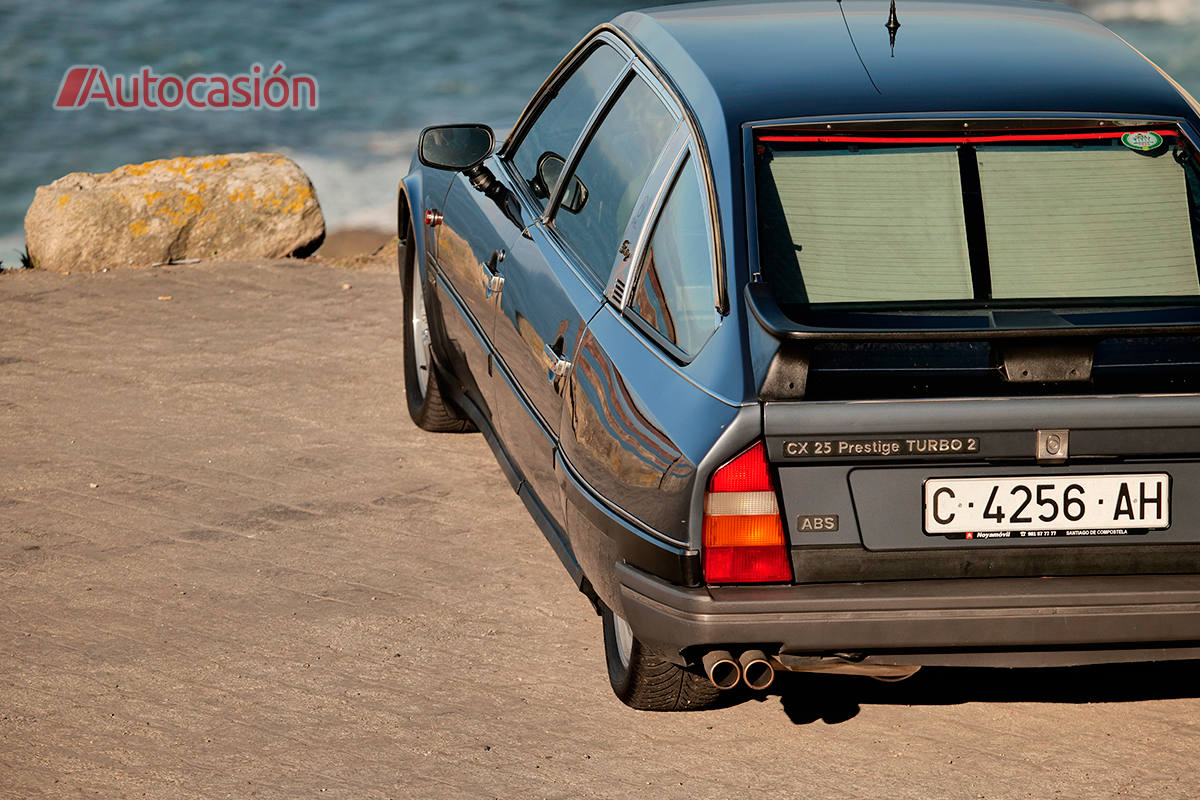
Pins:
x,y
642,680
427,404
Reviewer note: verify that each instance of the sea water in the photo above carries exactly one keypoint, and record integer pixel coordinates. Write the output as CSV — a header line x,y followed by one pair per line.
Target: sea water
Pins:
x,y
384,69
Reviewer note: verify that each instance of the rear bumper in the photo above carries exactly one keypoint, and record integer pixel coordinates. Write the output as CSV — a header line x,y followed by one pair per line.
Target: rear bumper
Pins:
x,y
1003,621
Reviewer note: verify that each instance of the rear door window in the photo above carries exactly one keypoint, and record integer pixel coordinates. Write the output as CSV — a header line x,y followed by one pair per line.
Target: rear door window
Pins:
x,y
674,291
561,121
612,170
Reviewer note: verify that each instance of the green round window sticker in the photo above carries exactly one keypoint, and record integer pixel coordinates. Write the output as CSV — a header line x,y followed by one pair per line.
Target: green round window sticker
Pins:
x,y
1142,141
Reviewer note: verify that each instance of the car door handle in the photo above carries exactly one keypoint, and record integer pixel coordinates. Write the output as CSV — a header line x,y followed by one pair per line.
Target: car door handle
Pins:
x,y
559,366
493,281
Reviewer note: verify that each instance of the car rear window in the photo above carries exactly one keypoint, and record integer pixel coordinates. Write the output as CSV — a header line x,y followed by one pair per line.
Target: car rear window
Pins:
x,y
967,220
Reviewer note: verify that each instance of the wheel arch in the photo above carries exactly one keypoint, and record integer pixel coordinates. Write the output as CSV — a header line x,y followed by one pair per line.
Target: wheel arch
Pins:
x,y
406,220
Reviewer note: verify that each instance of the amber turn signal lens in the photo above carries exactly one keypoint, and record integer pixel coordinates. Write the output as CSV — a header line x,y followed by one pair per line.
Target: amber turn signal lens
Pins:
x,y
758,531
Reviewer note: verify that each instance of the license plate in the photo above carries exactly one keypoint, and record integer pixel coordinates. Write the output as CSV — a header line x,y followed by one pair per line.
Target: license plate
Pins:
x,y
1048,505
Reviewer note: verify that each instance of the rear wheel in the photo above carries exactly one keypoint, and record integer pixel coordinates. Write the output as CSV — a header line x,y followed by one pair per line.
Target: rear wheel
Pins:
x,y
643,680
422,385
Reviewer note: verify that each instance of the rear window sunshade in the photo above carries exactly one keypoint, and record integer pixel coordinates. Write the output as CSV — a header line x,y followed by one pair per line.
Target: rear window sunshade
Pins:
x,y
909,203
1117,223
914,223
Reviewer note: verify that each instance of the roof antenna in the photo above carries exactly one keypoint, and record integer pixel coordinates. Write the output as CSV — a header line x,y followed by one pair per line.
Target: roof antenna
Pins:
x,y
855,46
893,25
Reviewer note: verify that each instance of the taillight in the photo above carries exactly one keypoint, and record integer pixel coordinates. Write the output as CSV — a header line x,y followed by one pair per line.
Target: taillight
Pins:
x,y
744,540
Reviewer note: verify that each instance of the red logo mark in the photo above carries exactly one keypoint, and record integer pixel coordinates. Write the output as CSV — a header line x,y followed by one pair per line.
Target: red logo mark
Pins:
x,y
73,91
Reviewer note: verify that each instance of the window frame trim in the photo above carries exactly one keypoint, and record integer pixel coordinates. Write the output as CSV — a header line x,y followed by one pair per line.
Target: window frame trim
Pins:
x,y
598,115
674,156
615,91
633,71
536,212
556,80
542,217
650,71
636,270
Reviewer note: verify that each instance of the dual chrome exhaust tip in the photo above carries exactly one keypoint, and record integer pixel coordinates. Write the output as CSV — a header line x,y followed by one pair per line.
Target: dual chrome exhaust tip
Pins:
x,y
757,670
751,667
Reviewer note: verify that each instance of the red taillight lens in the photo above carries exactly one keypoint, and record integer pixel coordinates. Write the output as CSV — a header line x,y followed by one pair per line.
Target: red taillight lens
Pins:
x,y
746,473
747,565
744,540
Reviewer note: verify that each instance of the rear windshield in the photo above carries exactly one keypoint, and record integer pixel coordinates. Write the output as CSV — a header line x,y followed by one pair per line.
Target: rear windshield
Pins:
x,y
1064,218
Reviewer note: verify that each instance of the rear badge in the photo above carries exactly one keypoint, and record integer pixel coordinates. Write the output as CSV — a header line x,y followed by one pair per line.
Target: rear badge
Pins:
x,y
820,523
1142,141
882,447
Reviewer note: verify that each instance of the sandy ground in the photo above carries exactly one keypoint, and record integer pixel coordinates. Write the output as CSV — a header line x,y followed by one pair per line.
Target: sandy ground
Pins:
x,y
351,242
231,567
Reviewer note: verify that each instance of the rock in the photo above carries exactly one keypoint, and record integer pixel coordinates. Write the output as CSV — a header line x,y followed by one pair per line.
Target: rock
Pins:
x,y
234,206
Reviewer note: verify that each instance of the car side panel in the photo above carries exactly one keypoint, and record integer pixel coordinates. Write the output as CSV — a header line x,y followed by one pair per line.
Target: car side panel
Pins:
x,y
634,431
543,309
421,191
473,232
466,239
456,340
427,190
601,538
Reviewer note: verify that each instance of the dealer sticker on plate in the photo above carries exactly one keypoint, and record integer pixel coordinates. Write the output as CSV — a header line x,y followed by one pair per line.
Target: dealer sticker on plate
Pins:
x,y
1058,505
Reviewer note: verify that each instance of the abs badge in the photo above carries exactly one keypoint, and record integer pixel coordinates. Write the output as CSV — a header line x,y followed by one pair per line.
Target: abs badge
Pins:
x,y
1142,141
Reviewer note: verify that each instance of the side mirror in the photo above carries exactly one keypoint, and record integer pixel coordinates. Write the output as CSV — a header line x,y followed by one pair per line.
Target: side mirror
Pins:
x,y
549,170
455,147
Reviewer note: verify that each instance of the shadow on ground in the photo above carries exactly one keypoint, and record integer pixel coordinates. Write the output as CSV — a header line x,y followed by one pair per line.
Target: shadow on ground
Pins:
x,y
834,699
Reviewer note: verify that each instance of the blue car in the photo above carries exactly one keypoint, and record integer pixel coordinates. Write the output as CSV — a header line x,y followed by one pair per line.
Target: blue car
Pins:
x,y
829,336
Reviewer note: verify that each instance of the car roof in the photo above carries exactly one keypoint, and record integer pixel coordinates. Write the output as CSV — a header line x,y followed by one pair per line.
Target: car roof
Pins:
x,y
800,58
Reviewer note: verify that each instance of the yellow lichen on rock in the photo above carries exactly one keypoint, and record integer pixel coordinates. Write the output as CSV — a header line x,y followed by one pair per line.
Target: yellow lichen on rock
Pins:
x,y
138,227
304,195
270,200
180,166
